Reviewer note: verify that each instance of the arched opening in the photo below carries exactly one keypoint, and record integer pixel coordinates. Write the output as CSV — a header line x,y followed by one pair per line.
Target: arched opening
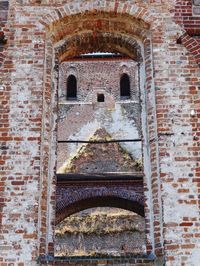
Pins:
x,y
71,88
125,92
114,37
108,141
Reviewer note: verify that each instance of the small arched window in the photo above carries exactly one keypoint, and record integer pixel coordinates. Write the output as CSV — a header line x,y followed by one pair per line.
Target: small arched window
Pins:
x,y
125,86
71,88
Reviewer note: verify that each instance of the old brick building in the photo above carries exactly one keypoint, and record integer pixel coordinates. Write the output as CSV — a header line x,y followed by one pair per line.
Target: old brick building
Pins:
x,y
37,37
115,116
99,133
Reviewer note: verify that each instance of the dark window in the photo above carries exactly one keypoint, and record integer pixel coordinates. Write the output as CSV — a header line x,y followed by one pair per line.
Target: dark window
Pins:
x,y
71,87
125,86
100,98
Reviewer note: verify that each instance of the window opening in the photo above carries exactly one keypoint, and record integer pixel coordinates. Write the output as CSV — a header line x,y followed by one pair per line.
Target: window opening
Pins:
x,y
100,97
125,86
71,87
99,144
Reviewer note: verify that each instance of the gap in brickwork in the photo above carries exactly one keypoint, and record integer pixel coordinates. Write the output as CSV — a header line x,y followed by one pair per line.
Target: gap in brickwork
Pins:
x,y
106,109
79,185
82,85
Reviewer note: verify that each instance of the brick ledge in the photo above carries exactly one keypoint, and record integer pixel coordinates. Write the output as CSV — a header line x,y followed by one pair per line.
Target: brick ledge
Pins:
x,y
87,260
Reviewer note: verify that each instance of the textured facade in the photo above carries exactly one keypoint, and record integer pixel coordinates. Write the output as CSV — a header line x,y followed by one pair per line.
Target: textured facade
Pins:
x,y
36,36
116,118
99,103
100,231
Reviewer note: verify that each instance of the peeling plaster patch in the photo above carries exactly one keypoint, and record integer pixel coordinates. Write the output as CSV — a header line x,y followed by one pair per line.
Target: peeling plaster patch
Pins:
x,y
195,257
172,211
114,120
123,128
85,133
30,152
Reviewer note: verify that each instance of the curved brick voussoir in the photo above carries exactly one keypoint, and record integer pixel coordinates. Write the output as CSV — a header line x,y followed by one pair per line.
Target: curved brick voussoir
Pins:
x,y
192,45
139,10
98,22
72,17
71,199
87,42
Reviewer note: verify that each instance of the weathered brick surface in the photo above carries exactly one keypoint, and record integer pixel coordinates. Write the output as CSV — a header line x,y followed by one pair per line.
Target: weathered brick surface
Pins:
x,y
27,186
129,195
95,73
119,261
86,116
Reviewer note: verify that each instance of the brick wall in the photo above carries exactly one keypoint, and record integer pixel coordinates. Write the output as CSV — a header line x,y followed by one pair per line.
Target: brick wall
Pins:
x,y
187,14
170,91
94,74
115,118
4,107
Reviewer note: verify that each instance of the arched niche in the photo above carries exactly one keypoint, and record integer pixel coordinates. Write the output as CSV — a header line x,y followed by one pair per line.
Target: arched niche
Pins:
x,y
131,37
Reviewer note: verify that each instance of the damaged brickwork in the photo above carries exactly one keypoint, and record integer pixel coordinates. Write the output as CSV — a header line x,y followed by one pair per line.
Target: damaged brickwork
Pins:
x,y
114,119
100,231
101,124
163,37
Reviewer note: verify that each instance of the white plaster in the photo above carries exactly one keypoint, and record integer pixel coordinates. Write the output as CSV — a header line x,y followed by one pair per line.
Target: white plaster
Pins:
x,y
117,124
174,211
195,257
2,87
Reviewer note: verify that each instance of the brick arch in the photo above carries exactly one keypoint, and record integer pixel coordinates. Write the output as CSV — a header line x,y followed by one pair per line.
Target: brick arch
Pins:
x,y
192,45
96,30
97,42
139,11
98,22
134,204
59,30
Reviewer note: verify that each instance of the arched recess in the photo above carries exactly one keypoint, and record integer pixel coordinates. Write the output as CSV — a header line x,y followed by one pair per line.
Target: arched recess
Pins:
x,y
125,90
114,32
106,201
71,87
66,73
87,42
